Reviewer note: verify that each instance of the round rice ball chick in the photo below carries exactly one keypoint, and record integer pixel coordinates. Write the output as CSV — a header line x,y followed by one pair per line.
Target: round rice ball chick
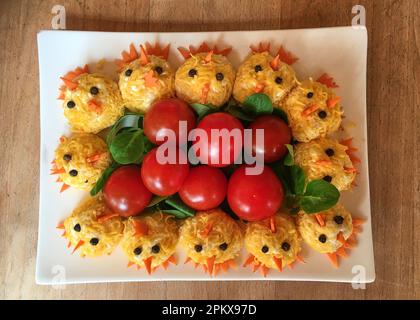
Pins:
x,y
93,229
81,159
325,237
92,102
205,78
256,74
313,111
142,85
326,159
150,241
273,247
211,238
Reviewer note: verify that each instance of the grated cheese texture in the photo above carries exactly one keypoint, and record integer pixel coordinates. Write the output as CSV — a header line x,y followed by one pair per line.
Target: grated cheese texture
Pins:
x,y
313,159
162,231
190,88
108,233
306,125
223,230
82,148
311,230
139,97
259,234
107,104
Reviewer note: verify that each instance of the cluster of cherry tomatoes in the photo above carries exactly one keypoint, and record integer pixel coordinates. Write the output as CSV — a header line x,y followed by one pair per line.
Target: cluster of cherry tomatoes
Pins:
x,y
130,188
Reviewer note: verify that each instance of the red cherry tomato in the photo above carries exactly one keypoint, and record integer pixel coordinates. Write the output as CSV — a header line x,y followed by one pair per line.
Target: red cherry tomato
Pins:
x,y
125,192
254,197
276,135
210,151
164,179
164,116
204,189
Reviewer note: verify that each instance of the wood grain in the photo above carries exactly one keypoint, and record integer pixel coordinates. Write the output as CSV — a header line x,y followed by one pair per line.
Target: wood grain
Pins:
x,y
393,121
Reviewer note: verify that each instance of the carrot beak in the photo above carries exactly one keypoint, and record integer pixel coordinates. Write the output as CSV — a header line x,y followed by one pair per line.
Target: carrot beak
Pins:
x,y
259,88
278,263
210,264
95,106
78,245
148,264
275,63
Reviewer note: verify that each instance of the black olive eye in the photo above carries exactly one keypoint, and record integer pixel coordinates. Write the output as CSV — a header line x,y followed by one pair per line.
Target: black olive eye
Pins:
x,y
219,76
279,80
310,95
128,72
77,227
264,249
86,181
73,173
223,246
338,219
198,248
327,178
94,91
322,114
192,73
159,70
67,157
329,152
137,251
71,104
322,238
285,246
258,68
94,241
156,248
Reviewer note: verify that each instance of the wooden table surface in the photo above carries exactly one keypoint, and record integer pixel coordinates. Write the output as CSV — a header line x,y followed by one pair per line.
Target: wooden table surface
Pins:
x,y
393,121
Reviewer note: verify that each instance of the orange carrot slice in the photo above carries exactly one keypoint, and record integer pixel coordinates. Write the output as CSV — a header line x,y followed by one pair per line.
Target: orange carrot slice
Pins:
x,y
204,93
210,264
357,222
106,217
94,157
150,80
172,259
95,106
300,259
275,63
327,80
309,110
207,59
320,219
273,224
323,162
148,264
143,56
333,259
249,260
188,259
140,228
341,239
184,52
60,225
262,47
278,263
64,187
129,264
287,56
57,171
264,270
342,252
259,87
78,245
332,102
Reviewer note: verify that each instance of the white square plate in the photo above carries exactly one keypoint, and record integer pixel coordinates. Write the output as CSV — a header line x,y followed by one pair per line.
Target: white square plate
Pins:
x,y
341,52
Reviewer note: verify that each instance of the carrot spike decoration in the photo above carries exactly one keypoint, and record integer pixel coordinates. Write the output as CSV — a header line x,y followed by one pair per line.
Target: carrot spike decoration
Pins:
x,y
327,80
333,259
106,217
262,47
64,187
140,228
331,103
210,264
70,76
248,261
157,50
188,259
351,150
57,171
127,57
207,59
286,56
203,48
279,263
148,264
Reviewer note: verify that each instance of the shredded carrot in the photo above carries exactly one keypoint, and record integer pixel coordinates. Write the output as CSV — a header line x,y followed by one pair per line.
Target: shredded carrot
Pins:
x,y
150,80
204,93
106,217
148,264
259,87
309,110
333,259
287,56
78,245
332,102
143,56
273,224
327,80
320,219
278,263
64,187
275,63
